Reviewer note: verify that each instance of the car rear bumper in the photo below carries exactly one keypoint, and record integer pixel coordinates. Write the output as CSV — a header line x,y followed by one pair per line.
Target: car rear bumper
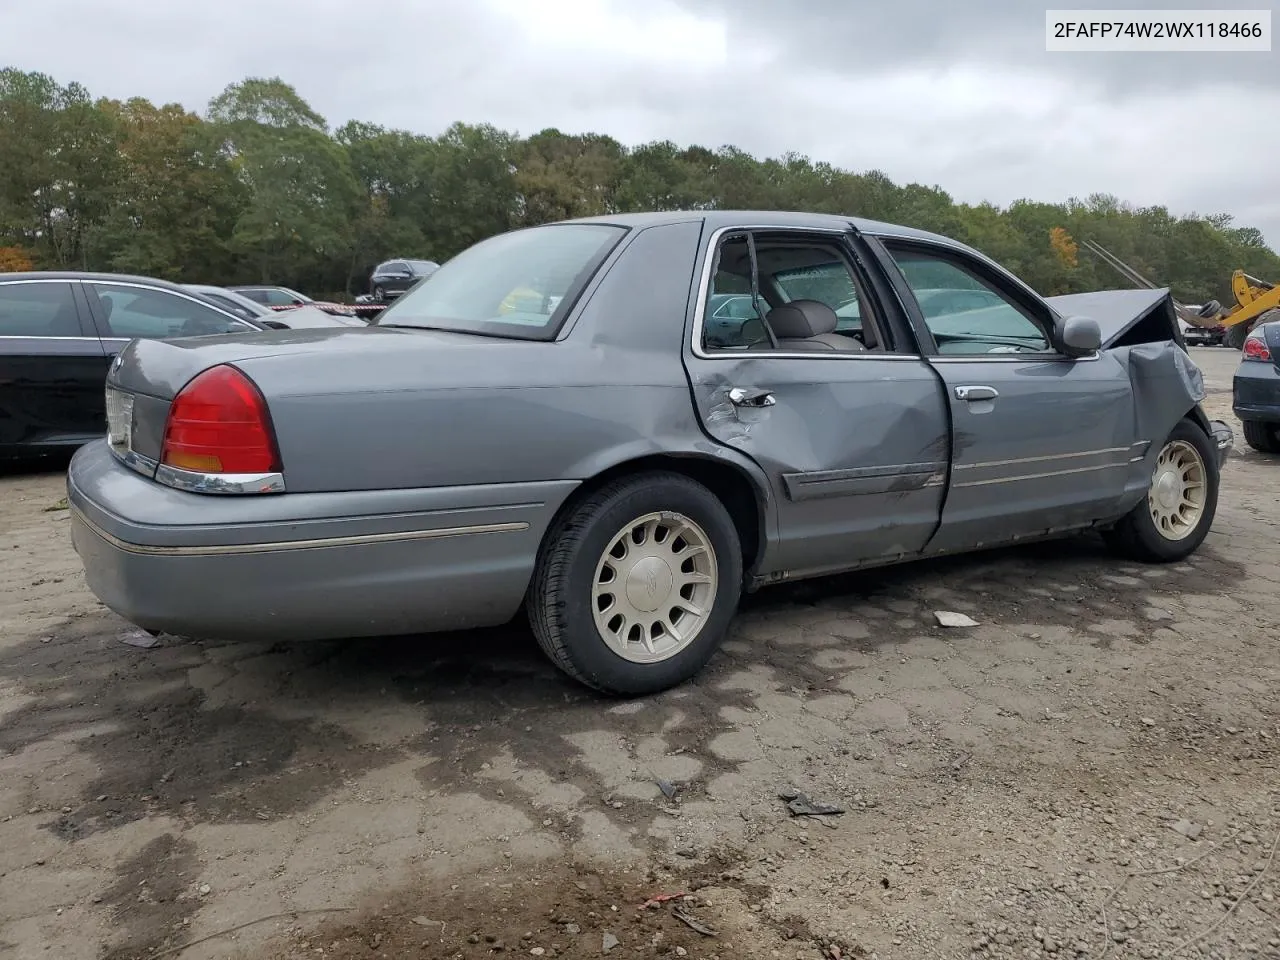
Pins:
x,y
1255,392
304,565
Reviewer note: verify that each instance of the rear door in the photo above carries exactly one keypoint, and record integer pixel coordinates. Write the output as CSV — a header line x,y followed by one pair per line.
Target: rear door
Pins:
x,y
52,365
1043,442
854,441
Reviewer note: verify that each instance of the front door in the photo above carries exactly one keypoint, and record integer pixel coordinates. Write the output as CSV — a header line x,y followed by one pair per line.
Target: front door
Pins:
x,y
853,439
1042,442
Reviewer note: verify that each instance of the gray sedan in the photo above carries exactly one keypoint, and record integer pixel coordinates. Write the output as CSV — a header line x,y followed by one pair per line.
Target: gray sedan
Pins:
x,y
551,423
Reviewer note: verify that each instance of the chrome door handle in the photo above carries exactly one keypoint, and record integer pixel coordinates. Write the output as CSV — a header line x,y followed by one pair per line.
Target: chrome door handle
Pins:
x,y
976,393
751,398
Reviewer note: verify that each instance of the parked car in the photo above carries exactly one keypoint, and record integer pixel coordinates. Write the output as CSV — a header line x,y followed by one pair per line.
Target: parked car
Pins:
x,y
607,467
292,319
58,334
281,298
1255,389
395,277
1202,336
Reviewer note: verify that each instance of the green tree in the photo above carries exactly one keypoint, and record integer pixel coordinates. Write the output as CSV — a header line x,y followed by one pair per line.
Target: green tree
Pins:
x,y
301,189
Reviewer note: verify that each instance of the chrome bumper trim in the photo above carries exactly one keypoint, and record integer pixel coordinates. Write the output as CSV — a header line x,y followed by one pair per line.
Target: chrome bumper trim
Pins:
x,y
232,549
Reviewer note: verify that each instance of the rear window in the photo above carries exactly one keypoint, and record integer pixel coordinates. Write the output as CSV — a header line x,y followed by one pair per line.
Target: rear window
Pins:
x,y
38,310
519,285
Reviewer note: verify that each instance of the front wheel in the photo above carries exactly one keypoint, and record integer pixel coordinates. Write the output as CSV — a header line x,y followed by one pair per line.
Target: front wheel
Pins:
x,y
635,587
1173,519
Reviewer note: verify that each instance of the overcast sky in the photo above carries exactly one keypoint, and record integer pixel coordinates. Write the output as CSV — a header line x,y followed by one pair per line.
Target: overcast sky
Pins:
x,y
946,92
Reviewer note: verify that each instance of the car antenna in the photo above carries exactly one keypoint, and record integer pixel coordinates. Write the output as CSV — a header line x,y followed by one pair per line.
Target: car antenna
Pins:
x,y
755,290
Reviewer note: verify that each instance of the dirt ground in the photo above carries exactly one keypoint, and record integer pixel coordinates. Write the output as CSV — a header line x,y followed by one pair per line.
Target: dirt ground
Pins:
x,y
1092,771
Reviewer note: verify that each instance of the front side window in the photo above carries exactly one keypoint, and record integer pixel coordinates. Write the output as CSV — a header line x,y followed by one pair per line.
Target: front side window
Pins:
x,y
966,314
516,284
149,314
38,310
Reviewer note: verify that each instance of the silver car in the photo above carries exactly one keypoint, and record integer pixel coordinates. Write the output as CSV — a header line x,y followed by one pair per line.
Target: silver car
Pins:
x,y
550,423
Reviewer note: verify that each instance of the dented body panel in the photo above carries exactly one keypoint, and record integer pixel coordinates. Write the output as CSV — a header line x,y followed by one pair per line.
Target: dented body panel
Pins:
x,y
855,451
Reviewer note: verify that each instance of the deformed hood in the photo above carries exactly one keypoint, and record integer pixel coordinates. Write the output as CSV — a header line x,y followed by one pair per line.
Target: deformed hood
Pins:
x,y
1117,312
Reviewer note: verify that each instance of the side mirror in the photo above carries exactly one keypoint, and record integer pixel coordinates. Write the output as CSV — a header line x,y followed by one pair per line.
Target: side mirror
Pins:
x,y
1080,336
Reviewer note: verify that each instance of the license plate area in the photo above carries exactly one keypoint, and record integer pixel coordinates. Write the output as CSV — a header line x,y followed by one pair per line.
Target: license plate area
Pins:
x,y
119,421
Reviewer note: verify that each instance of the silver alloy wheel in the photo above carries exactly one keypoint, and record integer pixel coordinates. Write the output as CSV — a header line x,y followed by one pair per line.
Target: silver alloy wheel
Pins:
x,y
1178,490
654,587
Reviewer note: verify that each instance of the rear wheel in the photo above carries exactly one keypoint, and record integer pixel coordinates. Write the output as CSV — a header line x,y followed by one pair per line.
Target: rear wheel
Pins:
x,y
1264,437
635,588
1173,519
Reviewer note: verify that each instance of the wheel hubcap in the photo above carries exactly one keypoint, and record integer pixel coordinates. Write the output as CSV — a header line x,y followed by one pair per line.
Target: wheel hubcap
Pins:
x,y
654,587
1177,495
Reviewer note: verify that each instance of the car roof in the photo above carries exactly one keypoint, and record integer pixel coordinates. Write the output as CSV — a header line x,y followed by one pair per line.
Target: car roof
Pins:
x,y
780,218
89,275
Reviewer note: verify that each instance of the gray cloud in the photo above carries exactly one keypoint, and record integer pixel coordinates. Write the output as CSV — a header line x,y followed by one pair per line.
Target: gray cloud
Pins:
x,y
934,91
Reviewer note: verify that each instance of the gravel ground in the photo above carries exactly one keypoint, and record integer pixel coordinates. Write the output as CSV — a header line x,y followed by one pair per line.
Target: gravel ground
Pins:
x,y
1091,771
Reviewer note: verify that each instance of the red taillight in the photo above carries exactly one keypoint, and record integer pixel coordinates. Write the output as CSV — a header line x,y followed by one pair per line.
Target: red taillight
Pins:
x,y
218,423
1255,348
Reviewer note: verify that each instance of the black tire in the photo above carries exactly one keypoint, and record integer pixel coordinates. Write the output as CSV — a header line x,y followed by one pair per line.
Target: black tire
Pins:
x,y
1263,437
1136,535
1235,334
559,602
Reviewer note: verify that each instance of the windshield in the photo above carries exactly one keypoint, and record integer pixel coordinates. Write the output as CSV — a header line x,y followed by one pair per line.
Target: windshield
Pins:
x,y
518,284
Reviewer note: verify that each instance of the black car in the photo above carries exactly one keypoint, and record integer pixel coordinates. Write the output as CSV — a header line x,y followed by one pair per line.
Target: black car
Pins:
x,y
1255,391
395,277
58,335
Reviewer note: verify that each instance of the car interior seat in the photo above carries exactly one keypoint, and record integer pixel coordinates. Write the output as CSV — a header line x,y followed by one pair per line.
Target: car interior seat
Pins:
x,y
807,325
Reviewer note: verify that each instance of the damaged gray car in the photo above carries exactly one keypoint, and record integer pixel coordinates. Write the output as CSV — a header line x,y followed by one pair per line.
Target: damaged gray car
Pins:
x,y
555,422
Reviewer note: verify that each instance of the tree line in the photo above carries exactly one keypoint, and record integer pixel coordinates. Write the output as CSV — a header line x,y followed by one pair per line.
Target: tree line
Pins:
x,y
260,189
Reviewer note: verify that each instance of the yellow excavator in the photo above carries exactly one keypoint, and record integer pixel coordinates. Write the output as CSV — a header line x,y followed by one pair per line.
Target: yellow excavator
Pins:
x,y
1257,301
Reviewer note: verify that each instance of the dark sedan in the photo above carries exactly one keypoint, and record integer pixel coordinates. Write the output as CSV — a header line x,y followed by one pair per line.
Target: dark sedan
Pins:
x,y
395,277
1255,393
58,335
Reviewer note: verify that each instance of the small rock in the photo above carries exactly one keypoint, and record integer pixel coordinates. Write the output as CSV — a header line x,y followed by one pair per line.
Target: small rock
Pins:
x,y
610,941
681,952
948,618
1148,722
205,889
1188,829
538,951
572,929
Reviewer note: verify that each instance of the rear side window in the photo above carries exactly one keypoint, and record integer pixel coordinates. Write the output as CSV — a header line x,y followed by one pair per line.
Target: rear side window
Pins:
x,y
38,310
519,284
148,314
